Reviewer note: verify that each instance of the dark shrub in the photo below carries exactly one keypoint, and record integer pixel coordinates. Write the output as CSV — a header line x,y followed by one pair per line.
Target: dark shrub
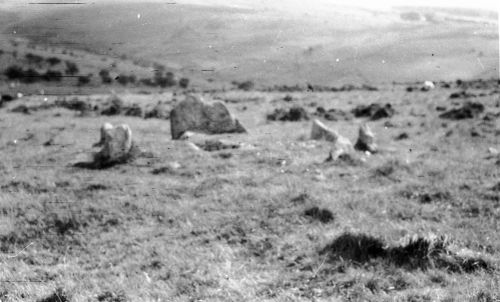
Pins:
x,y
84,80
105,77
52,75
53,61
184,82
71,68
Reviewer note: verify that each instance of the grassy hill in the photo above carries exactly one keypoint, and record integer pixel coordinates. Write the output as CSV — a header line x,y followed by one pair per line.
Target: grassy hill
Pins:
x,y
347,45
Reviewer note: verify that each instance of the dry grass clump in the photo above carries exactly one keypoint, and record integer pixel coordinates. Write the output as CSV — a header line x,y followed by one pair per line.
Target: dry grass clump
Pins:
x,y
417,253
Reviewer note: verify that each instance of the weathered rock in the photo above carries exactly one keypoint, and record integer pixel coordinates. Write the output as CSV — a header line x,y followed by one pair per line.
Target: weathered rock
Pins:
x,y
105,129
341,144
160,111
366,140
428,85
116,143
294,114
207,143
193,114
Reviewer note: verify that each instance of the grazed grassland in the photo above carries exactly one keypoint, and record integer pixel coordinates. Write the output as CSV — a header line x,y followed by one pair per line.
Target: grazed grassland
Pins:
x,y
418,221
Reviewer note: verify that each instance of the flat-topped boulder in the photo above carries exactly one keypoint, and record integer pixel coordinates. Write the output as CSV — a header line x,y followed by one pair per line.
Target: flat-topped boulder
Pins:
x,y
194,114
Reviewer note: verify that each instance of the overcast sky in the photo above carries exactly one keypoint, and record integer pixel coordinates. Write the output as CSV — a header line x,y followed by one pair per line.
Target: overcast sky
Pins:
x,y
298,5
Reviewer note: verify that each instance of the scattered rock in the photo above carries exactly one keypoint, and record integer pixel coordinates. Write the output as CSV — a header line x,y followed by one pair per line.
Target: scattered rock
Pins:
x,y
207,143
468,110
374,111
117,148
341,144
117,143
293,114
323,215
493,151
160,111
333,114
428,85
105,129
366,140
193,114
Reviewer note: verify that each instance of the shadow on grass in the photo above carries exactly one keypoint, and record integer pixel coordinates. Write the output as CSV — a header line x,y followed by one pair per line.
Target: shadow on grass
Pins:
x,y
100,162
417,253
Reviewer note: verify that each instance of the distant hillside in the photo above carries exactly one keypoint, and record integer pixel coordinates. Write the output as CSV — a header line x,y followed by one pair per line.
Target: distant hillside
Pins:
x,y
271,47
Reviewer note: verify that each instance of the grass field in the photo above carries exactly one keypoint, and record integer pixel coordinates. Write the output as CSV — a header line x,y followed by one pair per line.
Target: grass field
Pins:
x,y
237,225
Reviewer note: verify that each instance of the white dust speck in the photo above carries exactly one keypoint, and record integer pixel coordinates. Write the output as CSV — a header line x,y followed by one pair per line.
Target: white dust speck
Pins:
x,y
383,61
138,16
337,60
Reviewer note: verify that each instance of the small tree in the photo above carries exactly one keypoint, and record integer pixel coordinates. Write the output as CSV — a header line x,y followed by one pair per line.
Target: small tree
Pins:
x,y
105,77
71,68
84,80
53,61
184,82
52,75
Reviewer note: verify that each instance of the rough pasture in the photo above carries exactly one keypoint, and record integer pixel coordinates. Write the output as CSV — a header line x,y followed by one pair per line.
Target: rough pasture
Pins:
x,y
271,221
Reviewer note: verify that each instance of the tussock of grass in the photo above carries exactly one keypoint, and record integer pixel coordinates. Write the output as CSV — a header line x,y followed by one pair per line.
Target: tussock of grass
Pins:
x,y
323,215
417,253
59,295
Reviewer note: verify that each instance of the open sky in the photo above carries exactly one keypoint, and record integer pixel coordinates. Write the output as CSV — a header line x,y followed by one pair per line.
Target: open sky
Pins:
x,y
298,5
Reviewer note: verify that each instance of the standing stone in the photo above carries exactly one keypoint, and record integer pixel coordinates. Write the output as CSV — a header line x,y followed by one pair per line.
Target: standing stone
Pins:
x,y
366,140
117,143
341,145
105,128
193,114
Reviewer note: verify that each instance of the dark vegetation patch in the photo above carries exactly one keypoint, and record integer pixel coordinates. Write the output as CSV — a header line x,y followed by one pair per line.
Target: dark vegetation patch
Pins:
x,y
333,114
480,84
301,198
426,197
462,95
402,136
216,145
293,114
320,88
21,109
59,295
109,296
133,110
390,170
344,159
323,215
374,111
74,104
100,162
114,106
468,110
160,111
417,253
24,186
